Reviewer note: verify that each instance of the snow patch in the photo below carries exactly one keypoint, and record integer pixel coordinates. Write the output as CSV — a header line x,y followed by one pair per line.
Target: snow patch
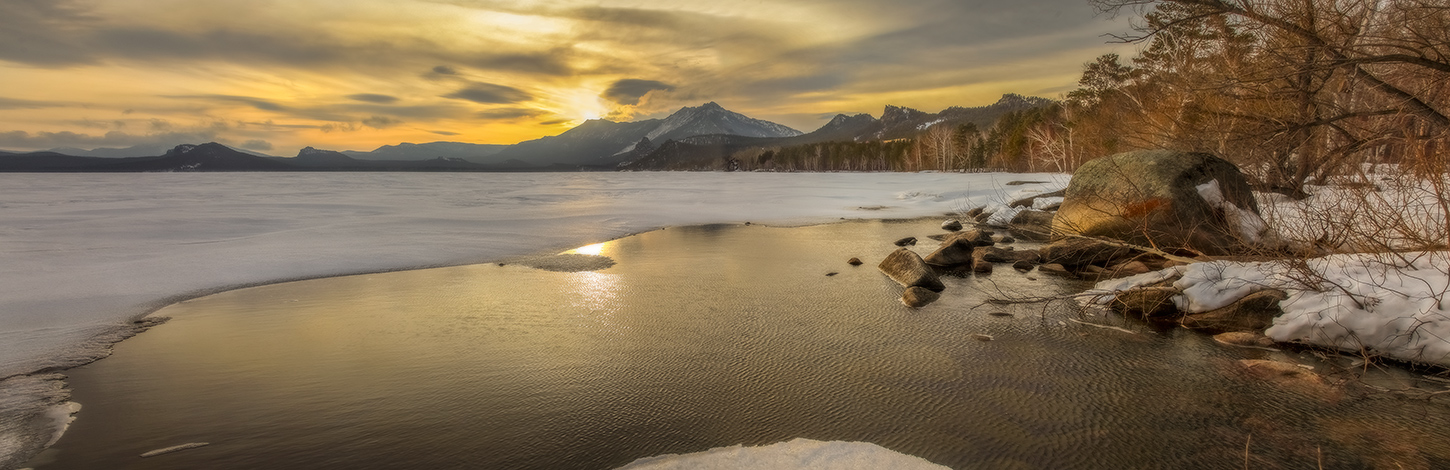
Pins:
x,y
795,454
1042,203
1251,227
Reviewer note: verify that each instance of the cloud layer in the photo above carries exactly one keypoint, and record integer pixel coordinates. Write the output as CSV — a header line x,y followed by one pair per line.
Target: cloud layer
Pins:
x,y
276,76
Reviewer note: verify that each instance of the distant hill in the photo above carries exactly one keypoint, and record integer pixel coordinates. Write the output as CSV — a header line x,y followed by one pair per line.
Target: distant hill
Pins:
x,y
477,153
142,150
687,138
186,157
605,144
895,123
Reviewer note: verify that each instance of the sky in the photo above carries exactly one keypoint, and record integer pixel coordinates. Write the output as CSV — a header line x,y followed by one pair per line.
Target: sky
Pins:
x,y
277,75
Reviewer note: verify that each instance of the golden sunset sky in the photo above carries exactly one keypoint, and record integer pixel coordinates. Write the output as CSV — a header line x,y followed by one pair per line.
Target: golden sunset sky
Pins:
x,y
275,76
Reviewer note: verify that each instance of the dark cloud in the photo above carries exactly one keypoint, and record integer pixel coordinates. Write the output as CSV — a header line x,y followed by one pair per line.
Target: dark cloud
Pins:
x,y
380,122
374,98
247,100
509,113
488,93
553,122
63,33
14,103
444,132
256,144
630,90
40,32
553,62
445,70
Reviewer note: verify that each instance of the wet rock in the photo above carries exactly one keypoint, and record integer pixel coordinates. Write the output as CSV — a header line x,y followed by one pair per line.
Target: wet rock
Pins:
x,y
1092,271
1152,198
1055,269
1130,268
992,254
1153,301
976,211
975,237
1023,265
1019,182
1078,252
982,217
854,262
832,273
952,225
1003,239
908,269
917,297
1255,312
1033,220
1292,377
956,249
982,337
951,253
1241,338
908,241
980,265
1000,314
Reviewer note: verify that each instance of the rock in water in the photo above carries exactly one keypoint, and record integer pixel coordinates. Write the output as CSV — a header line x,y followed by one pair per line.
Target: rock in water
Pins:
x,y
908,241
1254,312
854,261
952,225
1241,338
1163,198
908,269
916,297
980,262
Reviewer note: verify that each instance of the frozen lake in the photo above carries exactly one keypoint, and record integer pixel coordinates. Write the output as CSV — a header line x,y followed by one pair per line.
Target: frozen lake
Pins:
x,y
82,254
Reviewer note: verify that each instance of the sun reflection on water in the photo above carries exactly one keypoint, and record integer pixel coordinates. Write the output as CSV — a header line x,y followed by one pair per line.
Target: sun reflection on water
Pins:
x,y
597,299
594,249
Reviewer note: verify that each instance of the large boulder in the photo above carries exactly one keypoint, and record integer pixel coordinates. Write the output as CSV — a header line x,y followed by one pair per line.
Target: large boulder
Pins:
x,y
1163,198
907,268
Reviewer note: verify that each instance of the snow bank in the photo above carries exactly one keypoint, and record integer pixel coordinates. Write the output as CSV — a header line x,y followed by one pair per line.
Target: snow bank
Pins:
x,y
798,453
1394,305
1389,211
1397,308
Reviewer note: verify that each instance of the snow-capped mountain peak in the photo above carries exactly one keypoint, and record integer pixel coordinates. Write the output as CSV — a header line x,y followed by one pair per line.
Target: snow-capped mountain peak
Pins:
x,y
711,118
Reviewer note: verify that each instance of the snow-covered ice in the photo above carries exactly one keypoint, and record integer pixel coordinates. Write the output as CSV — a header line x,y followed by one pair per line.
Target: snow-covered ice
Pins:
x,y
82,254
797,453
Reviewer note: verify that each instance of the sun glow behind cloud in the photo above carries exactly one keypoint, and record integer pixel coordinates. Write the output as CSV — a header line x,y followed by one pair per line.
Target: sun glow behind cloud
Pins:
x,y
356,75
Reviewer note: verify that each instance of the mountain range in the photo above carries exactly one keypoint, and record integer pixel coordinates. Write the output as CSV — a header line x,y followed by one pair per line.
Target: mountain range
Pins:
x,y
702,132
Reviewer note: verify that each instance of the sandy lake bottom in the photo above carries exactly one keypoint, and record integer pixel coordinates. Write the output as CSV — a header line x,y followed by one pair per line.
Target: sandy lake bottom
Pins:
x,y
701,337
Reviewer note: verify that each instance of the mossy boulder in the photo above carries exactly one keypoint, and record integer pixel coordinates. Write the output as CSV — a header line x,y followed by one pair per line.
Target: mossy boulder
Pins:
x,y
1167,199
